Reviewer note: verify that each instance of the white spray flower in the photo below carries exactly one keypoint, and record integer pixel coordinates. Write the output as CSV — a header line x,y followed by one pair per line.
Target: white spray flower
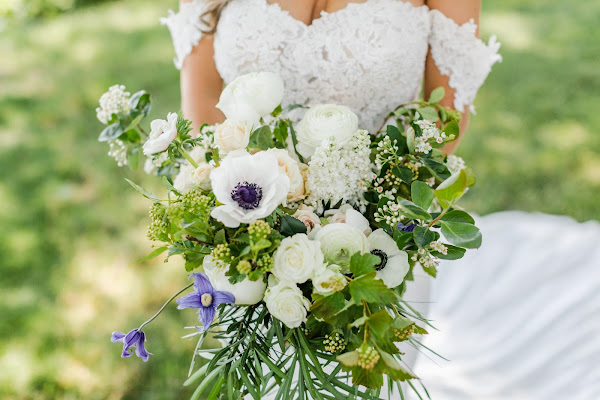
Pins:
x,y
115,101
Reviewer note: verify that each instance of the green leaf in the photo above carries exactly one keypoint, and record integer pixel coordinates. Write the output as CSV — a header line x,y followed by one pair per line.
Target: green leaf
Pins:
x,y
371,290
262,138
452,128
454,253
452,189
134,122
428,113
396,137
432,271
410,140
281,133
402,238
261,244
220,237
326,307
403,173
133,157
414,211
277,111
290,225
295,142
462,234
393,369
361,264
421,194
349,359
359,322
423,236
111,132
437,95
436,168
141,102
157,252
143,191
458,216
368,378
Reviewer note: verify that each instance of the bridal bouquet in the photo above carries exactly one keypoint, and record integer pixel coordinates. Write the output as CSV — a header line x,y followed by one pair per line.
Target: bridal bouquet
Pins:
x,y
299,236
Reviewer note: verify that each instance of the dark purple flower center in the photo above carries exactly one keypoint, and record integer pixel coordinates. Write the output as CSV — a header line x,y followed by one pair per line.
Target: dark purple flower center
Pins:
x,y
383,258
247,195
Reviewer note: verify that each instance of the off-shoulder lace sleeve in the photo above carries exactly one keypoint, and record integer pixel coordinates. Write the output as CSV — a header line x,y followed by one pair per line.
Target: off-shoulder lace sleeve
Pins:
x,y
186,28
461,56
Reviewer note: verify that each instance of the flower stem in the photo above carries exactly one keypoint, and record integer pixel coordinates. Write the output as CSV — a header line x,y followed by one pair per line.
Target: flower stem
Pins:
x,y
188,157
164,306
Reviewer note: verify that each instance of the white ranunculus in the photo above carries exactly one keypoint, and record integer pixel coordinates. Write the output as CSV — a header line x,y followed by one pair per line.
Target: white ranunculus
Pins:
x,y
291,168
394,262
162,133
307,215
339,242
249,187
327,280
322,122
297,258
246,292
252,96
346,214
286,302
232,135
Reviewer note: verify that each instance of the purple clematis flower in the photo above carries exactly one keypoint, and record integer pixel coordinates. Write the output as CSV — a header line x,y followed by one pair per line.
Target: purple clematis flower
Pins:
x,y
205,298
134,338
410,227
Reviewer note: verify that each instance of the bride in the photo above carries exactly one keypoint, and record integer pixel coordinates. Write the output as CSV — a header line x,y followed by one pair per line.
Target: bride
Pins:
x,y
519,318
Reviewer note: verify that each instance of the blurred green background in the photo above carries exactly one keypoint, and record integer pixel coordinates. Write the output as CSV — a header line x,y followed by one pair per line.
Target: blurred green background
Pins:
x,y
72,230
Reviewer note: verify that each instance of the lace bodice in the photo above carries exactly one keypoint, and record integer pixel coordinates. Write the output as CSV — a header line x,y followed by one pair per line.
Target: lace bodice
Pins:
x,y
368,56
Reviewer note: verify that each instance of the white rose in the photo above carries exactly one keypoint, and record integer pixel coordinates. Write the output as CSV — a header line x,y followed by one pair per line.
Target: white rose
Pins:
x,y
190,177
339,242
232,135
307,215
251,96
394,265
162,133
246,292
327,280
346,214
297,258
290,167
323,122
285,302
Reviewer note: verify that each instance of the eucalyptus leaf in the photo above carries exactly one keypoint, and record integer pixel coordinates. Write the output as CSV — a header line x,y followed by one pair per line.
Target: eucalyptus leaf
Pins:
x,y
462,234
421,194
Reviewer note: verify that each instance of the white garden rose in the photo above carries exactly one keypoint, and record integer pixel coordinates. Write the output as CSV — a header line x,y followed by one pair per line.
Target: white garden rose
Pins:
x,y
322,122
249,187
297,258
328,280
251,96
339,242
286,302
162,133
346,214
246,292
307,215
393,265
232,135
291,168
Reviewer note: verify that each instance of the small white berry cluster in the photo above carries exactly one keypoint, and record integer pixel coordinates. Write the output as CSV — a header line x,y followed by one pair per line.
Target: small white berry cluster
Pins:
x,y
206,138
390,213
118,151
115,101
334,342
387,153
439,247
430,133
426,259
368,357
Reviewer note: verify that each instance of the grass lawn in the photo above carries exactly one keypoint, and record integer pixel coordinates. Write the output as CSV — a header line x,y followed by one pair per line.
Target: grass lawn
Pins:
x,y
71,228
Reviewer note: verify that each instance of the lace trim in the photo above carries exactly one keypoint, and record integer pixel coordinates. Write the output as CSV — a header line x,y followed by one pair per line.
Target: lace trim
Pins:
x,y
186,28
461,56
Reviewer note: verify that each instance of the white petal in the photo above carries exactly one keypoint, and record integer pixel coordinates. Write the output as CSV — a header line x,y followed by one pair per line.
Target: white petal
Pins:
x,y
380,240
395,270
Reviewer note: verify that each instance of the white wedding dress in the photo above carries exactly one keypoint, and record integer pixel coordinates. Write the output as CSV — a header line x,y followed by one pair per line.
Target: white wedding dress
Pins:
x,y
518,318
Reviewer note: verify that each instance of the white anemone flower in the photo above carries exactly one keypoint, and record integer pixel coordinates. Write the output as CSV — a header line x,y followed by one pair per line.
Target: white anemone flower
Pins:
x,y
394,262
249,187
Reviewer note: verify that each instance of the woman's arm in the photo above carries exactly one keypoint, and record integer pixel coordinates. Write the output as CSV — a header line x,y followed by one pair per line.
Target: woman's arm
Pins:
x,y
201,85
460,11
